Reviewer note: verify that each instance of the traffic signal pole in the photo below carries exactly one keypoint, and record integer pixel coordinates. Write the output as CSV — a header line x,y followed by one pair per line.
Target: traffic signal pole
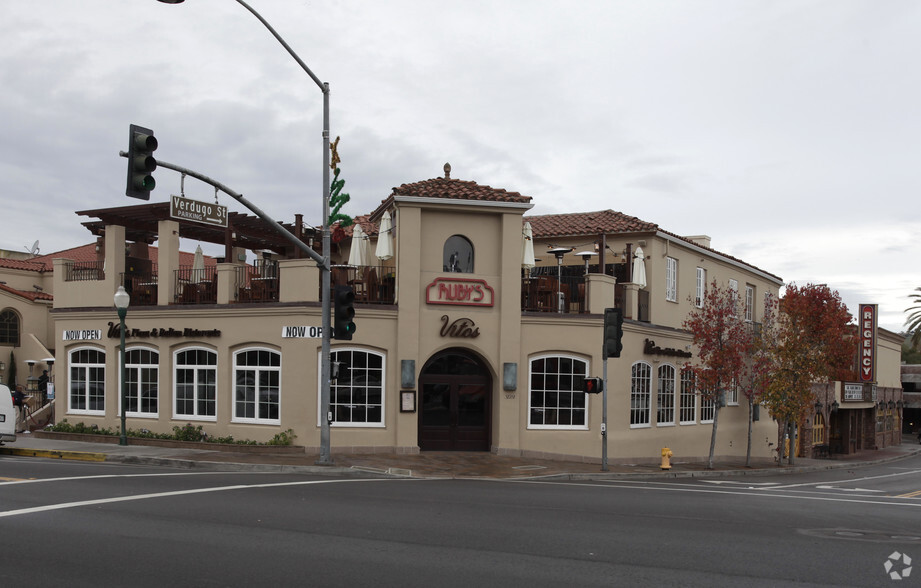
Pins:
x,y
604,416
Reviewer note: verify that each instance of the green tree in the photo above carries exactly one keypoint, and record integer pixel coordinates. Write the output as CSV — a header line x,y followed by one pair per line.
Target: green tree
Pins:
x,y
913,322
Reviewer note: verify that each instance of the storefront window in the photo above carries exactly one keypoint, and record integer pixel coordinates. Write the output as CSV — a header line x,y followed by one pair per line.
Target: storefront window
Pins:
x,y
142,375
640,382
458,255
9,327
665,400
688,408
196,384
87,381
257,386
556,398
357,395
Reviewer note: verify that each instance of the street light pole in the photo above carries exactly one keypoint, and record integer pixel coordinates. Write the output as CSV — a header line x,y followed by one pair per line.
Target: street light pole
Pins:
x,y
122,298
325,417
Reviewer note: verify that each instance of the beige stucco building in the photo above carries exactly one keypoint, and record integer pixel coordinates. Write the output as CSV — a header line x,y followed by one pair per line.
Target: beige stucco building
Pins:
x,y
458,347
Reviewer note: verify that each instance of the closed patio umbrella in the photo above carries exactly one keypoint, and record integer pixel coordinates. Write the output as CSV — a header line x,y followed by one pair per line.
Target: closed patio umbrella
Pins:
x,y
360,252
385,238
527,258
639,267
198,267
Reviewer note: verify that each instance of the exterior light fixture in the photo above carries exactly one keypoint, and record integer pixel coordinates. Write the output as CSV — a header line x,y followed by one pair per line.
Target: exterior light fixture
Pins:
x,y
122,299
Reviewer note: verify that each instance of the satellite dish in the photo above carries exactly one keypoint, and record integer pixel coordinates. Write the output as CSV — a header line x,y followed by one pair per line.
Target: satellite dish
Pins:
x,y
33,251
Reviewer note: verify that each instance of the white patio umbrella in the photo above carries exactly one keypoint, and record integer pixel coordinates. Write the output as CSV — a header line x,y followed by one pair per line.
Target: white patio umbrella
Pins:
x,y
360,252
385,238
527,258
639,267
198,266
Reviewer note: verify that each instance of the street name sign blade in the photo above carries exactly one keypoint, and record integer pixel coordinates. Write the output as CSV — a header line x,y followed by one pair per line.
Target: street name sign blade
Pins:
x,y
206,213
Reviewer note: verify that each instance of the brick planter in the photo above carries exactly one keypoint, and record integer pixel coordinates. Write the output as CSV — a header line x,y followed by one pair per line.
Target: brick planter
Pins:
x,y
229,447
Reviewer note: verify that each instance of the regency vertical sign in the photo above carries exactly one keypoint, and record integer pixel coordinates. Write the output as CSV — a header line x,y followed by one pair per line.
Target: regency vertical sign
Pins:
x,y
867,317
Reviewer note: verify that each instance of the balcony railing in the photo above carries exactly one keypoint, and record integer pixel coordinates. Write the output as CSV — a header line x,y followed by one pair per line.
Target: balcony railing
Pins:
x,y
371,284
257,283
82,271
195,286
551,289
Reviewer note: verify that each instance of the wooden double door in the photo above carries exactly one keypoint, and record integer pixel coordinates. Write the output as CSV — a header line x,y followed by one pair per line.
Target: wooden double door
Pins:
x,y
455,407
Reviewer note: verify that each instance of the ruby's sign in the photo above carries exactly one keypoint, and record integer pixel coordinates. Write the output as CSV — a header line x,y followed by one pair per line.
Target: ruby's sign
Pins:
x,y
459,292
867,353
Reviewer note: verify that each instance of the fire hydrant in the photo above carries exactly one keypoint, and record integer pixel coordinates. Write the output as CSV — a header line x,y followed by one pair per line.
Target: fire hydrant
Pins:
x,y
666,457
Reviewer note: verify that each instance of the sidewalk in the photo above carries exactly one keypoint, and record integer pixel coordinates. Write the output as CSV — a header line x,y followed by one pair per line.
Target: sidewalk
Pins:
x,y
425,465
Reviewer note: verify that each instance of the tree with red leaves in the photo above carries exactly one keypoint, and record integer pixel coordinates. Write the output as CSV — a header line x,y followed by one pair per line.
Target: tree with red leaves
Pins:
x,y
723,342
810,342
755,375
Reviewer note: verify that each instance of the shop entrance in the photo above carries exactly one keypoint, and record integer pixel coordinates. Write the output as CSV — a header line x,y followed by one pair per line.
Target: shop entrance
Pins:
x,y
455,404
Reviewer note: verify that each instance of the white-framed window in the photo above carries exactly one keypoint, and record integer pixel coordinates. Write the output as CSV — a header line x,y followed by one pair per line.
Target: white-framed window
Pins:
x,y
707,409
257,386
688,403
195,384
356,398
671,279
556,399
142,382
749,302
87,392
734,286
732,394
665,398
640,384
701,291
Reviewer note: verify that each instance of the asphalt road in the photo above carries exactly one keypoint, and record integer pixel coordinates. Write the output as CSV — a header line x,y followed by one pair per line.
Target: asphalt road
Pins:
x,y
87,524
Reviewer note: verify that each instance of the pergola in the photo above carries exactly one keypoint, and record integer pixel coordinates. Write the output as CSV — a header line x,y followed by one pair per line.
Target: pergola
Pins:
x,y
141,224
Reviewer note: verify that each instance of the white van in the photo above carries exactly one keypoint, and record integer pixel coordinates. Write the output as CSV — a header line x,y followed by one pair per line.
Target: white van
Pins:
x,y
7,415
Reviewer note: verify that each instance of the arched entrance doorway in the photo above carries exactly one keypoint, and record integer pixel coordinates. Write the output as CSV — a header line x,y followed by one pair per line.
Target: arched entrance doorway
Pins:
x,y
455,404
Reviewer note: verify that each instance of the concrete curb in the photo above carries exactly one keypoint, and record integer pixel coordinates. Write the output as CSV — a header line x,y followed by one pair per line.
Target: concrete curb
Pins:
x,y
54,454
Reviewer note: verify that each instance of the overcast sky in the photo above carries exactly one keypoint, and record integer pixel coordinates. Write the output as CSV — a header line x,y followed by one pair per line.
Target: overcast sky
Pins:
x,y
788,131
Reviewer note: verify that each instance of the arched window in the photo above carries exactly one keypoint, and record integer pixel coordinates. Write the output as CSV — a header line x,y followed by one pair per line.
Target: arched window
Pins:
x,y
818,430
665,400
688,410
257,386
195,387
458,255
142,379
640,383
9,327
556,398
87,381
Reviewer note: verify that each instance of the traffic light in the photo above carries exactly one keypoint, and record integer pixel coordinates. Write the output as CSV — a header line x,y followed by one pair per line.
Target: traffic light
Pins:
x,y
343,325
141,145
592,385
613,332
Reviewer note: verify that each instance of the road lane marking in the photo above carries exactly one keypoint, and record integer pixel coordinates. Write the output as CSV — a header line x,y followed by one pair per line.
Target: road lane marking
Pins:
x,y
910,494
737,492
914,471
741,483
66,505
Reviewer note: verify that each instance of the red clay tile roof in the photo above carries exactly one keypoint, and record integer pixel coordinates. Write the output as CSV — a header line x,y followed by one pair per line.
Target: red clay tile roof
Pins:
x,y
579,224
32,295
587,223
22,264
452,189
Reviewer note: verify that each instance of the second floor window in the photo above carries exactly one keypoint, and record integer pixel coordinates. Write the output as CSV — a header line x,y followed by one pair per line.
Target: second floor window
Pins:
x,y
671,279
701,287
458,255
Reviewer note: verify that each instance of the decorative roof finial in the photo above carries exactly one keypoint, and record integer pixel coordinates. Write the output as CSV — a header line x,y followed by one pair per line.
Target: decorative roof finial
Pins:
x,y
447,171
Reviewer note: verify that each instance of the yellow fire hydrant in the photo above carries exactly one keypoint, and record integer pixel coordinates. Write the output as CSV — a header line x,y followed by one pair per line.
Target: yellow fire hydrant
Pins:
x,y
666,458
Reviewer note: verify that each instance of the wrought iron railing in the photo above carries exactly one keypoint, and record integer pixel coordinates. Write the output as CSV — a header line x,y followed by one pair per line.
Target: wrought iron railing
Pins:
x,y
82,271
195,285
371,284
256,283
